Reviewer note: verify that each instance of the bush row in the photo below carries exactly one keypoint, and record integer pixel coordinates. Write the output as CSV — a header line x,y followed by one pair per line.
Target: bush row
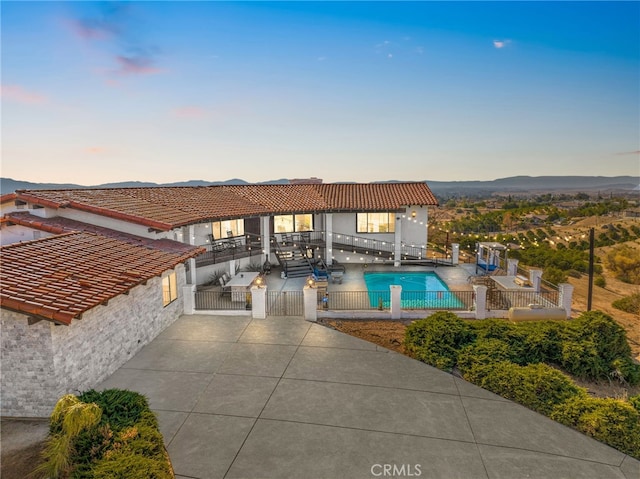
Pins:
x,y
108,434
511,360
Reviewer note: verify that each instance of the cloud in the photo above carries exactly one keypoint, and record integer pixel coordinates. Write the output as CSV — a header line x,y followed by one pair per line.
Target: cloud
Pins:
x,y
114,28
626,153
136,65
189,111
108,22
19,94
501,43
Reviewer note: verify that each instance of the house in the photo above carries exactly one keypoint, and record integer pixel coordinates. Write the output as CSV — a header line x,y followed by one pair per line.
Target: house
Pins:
x,y
78,304
90,276
240,224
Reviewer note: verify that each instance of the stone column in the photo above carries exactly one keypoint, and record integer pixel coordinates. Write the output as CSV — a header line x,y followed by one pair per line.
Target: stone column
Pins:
x,y
258,302
396,303
310,294
565,297
480,303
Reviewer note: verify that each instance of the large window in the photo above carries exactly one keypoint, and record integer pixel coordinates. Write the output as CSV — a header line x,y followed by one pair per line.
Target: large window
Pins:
x,y
227,229
292,223
169,289
376,222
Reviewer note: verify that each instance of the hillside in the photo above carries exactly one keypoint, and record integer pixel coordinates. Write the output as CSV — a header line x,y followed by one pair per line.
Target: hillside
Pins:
x,y
515,185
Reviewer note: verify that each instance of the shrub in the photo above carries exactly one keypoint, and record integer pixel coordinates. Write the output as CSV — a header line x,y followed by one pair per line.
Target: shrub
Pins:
x,y
600,281
555,275
635,401
435,340
624,261
592,343
628,304
612,421
122,441
475,360
536,386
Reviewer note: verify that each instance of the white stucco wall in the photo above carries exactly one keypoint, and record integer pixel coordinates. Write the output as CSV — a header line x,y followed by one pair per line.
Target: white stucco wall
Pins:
x,y
43,361
16,233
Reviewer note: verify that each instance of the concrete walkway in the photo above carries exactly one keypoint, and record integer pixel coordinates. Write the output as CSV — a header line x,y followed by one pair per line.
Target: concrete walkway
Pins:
x,y
284,398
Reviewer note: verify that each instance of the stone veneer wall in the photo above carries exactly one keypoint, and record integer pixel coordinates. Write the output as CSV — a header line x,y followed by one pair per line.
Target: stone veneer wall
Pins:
x,y
43,361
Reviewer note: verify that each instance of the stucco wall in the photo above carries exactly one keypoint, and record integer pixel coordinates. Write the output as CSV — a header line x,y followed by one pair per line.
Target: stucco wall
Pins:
x,y
42,362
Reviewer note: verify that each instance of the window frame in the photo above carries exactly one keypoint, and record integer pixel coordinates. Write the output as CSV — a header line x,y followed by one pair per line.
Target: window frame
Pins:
x,y
294,222
390,223
217,232
170,294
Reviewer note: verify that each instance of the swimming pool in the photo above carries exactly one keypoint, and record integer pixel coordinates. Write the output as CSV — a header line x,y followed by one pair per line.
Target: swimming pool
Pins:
x,y
420,290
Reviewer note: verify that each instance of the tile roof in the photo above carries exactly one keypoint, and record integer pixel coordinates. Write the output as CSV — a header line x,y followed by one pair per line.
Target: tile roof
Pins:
x,y
165,208
60,277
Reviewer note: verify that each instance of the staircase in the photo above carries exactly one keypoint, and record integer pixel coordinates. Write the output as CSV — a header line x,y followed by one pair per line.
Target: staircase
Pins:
x,y
294,260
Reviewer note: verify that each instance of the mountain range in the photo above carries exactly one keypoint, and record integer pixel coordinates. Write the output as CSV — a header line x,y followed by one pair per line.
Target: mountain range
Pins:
x,y
516,185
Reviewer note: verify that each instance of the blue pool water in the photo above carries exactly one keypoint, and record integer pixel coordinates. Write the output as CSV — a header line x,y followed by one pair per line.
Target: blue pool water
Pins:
x,y
420,290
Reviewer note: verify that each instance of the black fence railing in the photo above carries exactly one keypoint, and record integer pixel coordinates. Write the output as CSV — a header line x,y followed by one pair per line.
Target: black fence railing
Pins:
x,y
410,300
285,303
215,300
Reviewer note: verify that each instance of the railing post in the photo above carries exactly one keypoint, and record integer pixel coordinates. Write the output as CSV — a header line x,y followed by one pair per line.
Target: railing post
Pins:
x,y
565,297
535,276
189,299
480,302
396,301
512,267
310,303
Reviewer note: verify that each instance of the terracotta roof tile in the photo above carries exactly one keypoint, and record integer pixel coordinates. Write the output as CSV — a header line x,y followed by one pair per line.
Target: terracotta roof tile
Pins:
x,y
165,208
60,277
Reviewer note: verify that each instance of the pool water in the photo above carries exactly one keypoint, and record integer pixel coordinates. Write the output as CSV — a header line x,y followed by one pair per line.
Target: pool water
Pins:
x,y
420,290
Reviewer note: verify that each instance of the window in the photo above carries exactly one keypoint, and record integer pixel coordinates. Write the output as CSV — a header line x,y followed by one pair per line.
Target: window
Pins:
x,y
292,223
169,289
376,222
227,229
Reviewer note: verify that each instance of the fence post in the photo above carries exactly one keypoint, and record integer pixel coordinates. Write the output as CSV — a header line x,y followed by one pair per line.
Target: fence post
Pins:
x,y
396,304
565,297
310,303
189,299
480,301
455,253
258,302
535,276
512,267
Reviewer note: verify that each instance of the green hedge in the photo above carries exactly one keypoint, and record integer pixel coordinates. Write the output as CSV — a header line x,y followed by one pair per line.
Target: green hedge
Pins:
x,y
436,339
612,421
515,361
122,441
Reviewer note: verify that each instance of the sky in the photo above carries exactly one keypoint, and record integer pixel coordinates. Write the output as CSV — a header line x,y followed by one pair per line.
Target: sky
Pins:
x,y
97,92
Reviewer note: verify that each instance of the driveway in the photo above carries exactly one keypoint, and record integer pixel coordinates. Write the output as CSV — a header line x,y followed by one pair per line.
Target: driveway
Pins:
x,y
285,398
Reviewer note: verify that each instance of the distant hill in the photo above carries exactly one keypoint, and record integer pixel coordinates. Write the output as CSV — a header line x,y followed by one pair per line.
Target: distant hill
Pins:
x,y
517,185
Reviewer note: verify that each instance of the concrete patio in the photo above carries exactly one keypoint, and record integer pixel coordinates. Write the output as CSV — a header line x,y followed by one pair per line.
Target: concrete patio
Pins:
x,y
285,398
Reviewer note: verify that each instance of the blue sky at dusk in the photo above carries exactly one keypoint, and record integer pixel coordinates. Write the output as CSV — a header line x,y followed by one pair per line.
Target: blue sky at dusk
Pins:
x,y
345,91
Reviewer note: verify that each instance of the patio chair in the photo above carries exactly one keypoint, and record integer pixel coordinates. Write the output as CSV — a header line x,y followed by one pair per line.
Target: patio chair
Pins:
x,y
226,290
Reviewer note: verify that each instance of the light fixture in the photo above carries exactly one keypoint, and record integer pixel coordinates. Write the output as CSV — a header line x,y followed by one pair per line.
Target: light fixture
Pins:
x,y
311,282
